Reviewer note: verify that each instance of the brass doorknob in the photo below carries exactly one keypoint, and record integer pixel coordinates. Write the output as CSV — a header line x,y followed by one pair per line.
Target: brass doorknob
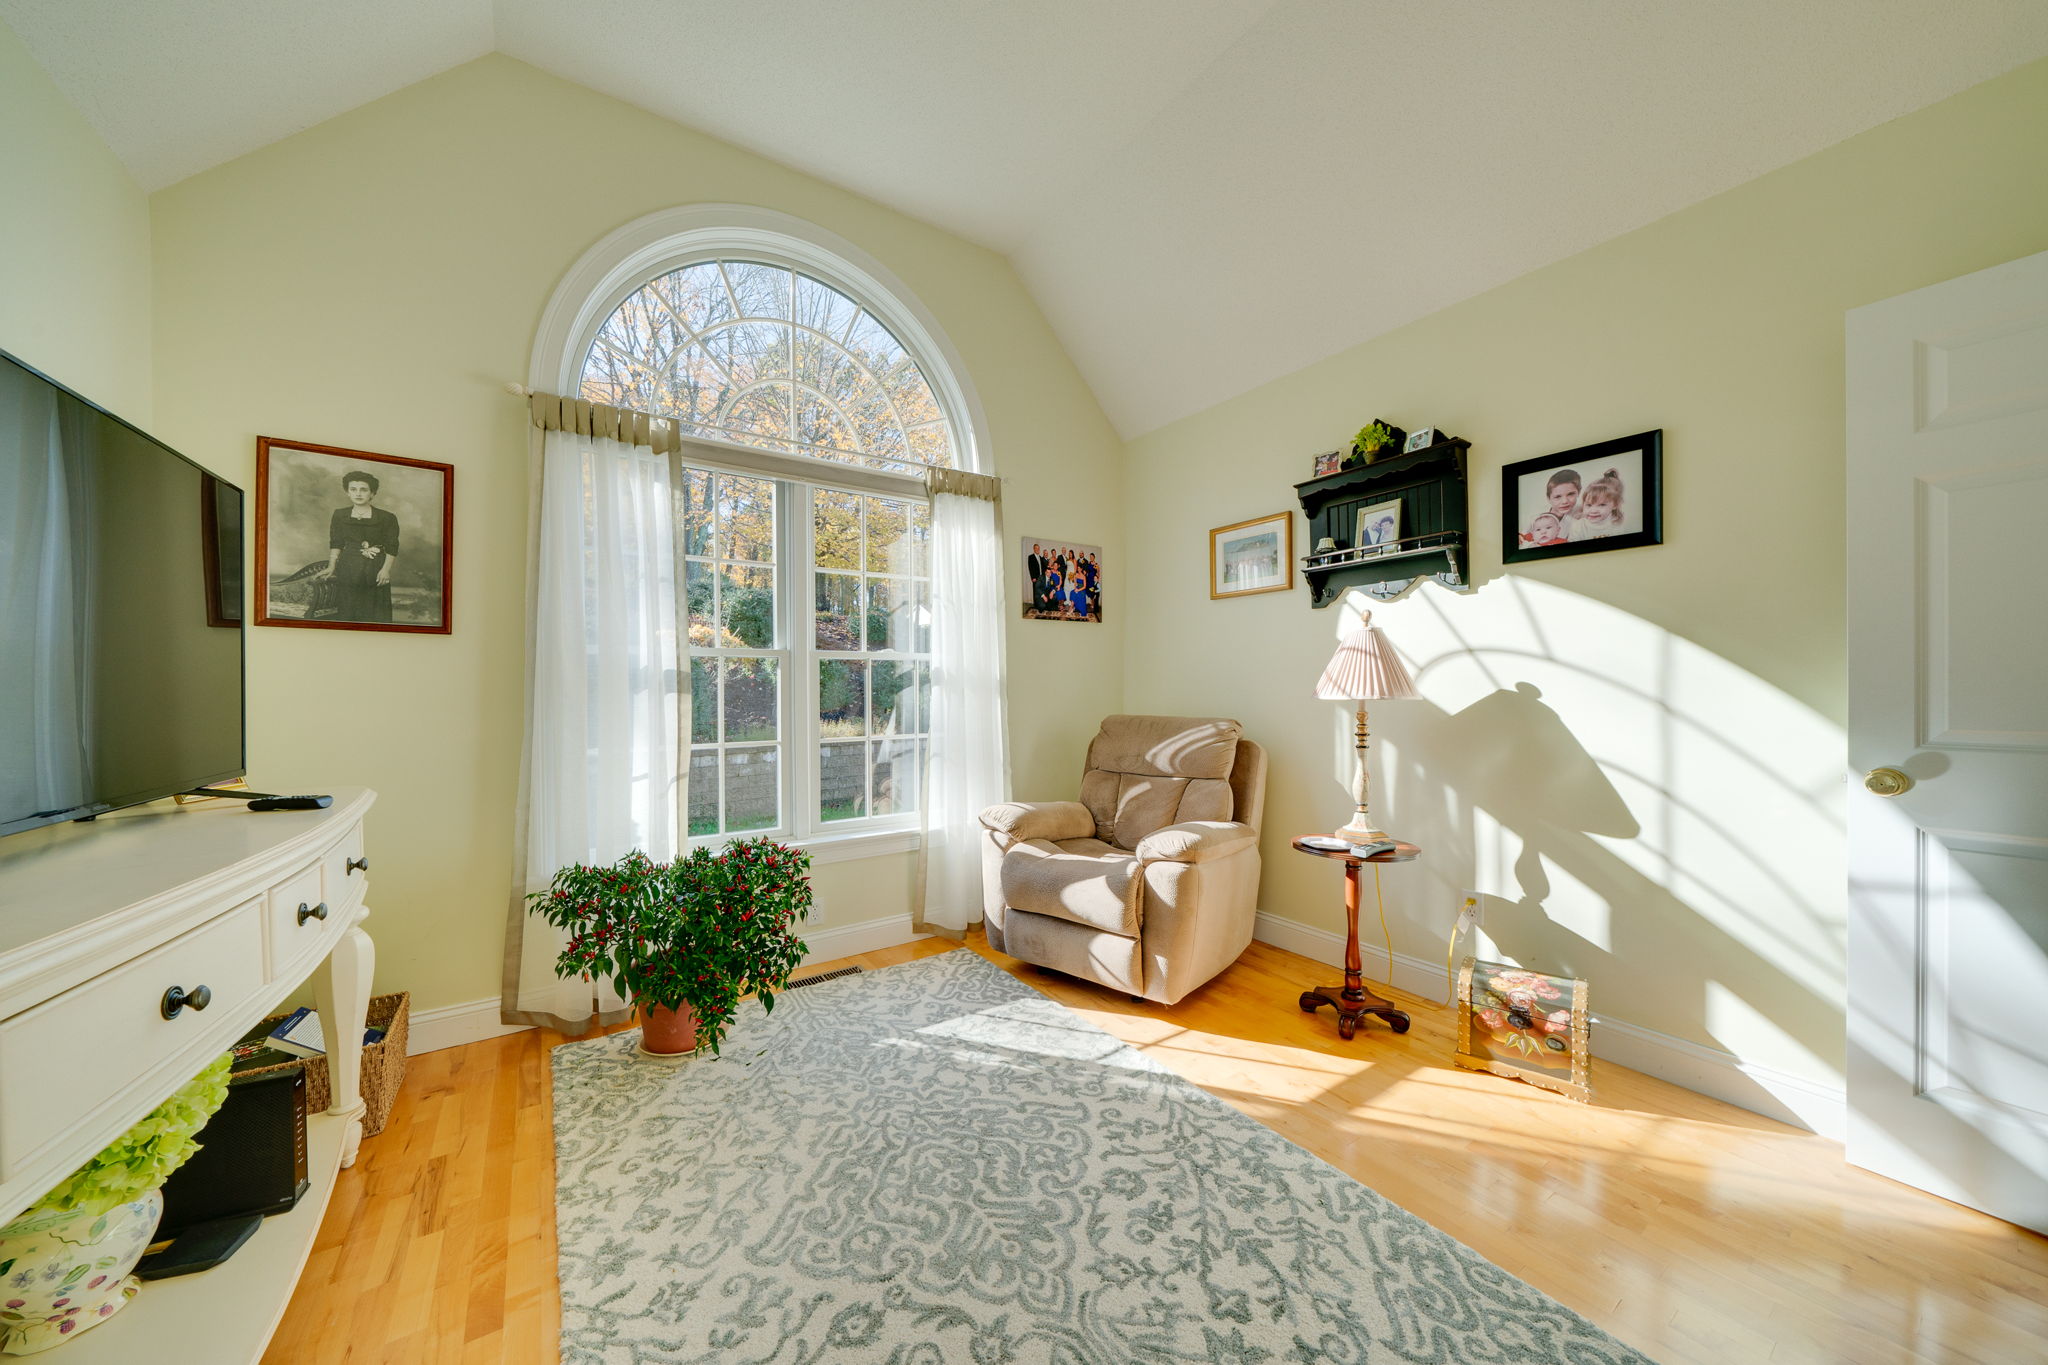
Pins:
x,y
1887,782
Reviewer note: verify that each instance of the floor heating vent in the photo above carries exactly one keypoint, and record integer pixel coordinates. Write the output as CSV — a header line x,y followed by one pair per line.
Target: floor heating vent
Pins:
x,y
821,976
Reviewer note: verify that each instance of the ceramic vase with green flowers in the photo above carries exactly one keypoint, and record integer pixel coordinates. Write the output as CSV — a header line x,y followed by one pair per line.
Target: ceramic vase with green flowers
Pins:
x,y
64,1263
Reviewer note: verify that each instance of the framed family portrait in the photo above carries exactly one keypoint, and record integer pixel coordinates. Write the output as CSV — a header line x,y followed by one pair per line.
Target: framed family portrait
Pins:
x,y
1062,581
1607,496
1253,556
350,540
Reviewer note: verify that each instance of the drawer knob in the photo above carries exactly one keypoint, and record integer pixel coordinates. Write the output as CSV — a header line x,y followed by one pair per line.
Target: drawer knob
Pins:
x,y
177,998
355,865
307,912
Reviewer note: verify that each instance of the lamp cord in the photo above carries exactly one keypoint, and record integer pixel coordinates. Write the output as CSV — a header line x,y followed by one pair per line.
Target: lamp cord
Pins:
x,y
1387,938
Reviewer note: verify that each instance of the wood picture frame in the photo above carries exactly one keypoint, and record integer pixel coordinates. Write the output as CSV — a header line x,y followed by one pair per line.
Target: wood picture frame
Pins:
x,y
1258,558
1547,502
221,514
400,577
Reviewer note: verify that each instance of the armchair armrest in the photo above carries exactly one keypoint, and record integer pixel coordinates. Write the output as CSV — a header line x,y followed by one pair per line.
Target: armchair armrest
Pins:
x,y
1040,820
1196,841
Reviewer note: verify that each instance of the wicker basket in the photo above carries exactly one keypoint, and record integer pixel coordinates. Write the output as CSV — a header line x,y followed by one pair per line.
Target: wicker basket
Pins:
x,y
383,1063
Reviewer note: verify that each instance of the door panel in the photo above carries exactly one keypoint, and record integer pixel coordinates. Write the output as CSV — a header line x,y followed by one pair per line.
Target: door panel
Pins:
x,y
1948,682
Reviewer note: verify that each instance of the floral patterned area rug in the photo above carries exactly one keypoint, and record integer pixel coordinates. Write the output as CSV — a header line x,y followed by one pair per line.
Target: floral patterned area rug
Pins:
x,y
933,1164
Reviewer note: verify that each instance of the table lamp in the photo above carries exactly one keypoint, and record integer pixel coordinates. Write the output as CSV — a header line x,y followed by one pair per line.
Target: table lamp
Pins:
x,y
1364,668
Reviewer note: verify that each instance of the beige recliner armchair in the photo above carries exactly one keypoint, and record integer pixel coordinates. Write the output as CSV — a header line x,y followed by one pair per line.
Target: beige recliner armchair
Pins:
x,y
1150,882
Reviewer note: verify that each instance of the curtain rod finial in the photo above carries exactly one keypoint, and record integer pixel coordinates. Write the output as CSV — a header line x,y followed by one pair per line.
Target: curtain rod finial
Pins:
x,y
518,390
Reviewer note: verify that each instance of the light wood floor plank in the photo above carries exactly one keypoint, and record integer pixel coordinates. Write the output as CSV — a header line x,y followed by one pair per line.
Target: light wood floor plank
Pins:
x,y
1698,1232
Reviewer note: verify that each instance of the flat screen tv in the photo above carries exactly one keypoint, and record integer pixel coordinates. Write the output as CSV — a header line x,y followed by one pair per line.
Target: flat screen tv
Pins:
x,y
120,611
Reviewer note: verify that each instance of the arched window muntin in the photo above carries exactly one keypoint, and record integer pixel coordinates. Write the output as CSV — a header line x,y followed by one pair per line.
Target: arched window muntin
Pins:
x,y
766,354
670,241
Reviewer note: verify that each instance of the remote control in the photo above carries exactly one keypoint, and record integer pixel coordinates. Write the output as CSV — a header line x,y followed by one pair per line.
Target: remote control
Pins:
x,y
291,803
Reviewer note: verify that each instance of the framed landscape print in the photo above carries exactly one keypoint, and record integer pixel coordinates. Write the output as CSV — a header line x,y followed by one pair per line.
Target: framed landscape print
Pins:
x,y
1253,556
348,540
1062,581
1525,1026
1607,496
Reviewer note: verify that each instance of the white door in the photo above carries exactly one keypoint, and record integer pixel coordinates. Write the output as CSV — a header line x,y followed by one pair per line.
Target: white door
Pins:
x,y
1948,684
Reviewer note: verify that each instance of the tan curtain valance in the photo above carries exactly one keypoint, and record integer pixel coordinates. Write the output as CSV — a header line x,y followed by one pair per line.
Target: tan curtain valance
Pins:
x,y
554,413
962,483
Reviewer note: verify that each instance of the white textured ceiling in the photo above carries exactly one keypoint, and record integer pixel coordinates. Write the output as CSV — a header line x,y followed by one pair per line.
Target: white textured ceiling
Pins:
x,y
1202,194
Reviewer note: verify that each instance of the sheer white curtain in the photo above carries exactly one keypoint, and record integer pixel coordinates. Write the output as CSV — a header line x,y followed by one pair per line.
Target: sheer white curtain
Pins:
x,y
607,684
969,765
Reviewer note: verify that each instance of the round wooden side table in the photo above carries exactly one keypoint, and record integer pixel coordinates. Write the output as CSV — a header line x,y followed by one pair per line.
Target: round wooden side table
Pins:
x,y
1352,1000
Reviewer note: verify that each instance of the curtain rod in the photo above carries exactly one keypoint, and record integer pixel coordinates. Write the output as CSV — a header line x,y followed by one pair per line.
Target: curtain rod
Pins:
x,y
664,436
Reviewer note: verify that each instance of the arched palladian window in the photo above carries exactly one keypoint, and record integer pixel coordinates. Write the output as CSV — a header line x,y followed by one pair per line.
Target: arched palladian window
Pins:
x,y
814,391
765,355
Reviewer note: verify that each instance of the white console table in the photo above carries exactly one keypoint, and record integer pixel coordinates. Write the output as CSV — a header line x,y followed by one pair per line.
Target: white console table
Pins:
x,y
98,922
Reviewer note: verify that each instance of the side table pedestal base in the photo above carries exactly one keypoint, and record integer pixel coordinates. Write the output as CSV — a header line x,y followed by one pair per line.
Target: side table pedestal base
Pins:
x,y
1351,1007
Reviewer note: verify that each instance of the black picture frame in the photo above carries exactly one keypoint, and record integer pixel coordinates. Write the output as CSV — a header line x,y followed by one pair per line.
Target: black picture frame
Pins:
x,y
1642,496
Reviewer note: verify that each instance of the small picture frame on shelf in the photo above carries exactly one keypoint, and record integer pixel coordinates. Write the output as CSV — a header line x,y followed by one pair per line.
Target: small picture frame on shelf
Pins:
x,y
1422,440
1253,556
1605,496
1379,528
1329,462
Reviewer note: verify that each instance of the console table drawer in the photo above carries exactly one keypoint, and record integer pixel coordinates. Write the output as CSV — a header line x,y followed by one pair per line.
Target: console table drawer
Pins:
x,y
75,1053
299,916
345,871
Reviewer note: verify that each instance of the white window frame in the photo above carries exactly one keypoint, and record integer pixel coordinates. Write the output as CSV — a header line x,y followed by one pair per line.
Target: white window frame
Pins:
x,y
797,655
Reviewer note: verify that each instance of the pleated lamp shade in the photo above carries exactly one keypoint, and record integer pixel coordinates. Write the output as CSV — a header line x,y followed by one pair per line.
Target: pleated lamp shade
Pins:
x,y
1364,668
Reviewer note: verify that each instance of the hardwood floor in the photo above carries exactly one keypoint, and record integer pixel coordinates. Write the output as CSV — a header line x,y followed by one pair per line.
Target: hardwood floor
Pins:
x,y
1697,1232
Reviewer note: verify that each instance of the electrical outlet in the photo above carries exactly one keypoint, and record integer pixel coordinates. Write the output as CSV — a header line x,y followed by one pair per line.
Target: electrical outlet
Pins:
x,y
1472,905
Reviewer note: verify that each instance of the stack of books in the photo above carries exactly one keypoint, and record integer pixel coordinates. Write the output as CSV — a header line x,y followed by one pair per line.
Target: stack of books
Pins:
x,y
293,1038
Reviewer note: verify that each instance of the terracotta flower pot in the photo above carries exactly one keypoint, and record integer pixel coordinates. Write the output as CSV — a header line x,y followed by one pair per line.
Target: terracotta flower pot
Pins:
x,y
665,1032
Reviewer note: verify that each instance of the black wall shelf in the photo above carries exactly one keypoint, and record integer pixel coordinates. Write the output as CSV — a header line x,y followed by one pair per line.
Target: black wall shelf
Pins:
x,y
1431,486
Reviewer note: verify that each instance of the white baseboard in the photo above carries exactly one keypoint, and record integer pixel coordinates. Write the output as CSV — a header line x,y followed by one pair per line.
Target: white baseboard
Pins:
x,y
453,1025
475,1020
868,936
1710,1071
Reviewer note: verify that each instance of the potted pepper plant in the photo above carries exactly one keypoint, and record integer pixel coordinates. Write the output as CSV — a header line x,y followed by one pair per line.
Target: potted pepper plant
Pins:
x,y
684,941
64,1262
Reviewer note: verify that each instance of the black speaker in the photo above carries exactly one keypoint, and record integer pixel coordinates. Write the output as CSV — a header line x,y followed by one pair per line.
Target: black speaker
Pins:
x,y
251,1157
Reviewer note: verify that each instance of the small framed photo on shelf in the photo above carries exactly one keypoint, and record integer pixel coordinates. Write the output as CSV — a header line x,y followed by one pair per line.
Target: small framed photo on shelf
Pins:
x,y
1252,557
1379,527
1605,496
1525,1026
1422,440
1329,462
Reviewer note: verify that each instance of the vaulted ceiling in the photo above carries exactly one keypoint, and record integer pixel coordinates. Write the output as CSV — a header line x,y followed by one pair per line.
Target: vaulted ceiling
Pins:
x,y
1203,194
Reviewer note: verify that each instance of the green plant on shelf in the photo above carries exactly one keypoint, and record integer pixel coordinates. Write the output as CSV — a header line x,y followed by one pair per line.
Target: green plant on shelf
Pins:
x,y
1372,441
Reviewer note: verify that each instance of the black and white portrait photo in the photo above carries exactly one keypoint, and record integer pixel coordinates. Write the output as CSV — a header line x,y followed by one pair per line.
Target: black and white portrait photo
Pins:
x,y
351,540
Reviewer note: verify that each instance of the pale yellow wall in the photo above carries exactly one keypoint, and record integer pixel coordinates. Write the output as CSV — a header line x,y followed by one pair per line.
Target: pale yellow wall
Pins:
x,y
1662,813
372,283
74,245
